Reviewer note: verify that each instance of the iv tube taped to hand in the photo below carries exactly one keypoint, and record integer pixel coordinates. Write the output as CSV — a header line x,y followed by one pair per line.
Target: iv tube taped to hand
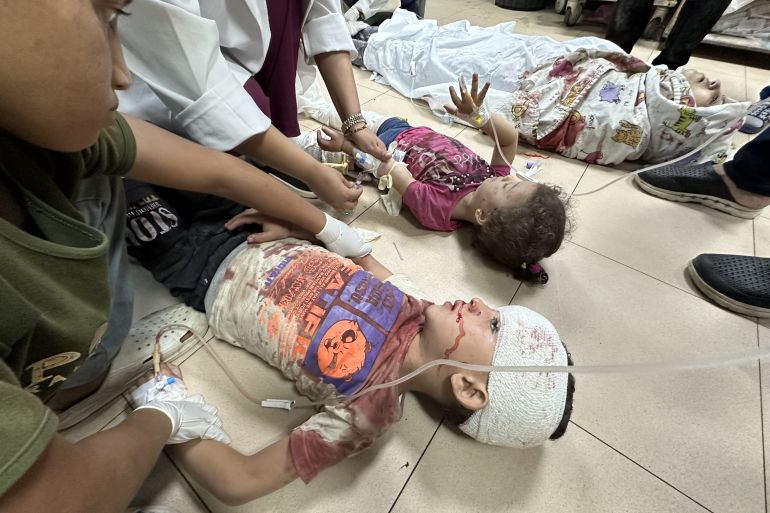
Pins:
x,y
714,362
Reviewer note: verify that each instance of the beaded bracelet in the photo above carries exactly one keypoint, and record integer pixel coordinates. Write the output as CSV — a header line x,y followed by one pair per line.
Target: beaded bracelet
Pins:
x,y
355,130
352,120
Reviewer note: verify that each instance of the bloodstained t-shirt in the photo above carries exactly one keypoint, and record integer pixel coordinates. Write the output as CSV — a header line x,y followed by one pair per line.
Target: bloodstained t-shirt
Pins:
x,y
329,326
445,171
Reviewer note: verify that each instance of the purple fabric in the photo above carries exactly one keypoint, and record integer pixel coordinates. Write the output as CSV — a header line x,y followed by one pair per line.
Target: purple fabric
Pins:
x,y
445,171
273,87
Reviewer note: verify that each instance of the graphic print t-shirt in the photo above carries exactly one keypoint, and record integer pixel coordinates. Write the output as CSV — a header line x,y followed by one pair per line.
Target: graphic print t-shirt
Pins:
x,y
329,326
445,170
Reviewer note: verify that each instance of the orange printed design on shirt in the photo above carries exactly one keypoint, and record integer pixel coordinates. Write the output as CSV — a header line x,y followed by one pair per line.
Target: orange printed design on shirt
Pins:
x,y
343,349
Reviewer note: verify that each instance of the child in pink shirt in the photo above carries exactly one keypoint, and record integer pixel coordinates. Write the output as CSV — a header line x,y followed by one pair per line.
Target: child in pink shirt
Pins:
x,y
445,185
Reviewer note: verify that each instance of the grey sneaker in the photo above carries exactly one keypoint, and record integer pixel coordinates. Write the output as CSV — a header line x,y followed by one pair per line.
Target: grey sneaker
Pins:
x,y
738,283
697,183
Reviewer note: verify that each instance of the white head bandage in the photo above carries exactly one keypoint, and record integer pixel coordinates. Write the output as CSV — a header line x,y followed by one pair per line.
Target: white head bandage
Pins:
x,y
524,408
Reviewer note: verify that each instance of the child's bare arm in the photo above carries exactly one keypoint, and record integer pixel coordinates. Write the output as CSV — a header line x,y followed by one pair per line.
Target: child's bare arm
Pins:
x,y
235,478
372,265
507,136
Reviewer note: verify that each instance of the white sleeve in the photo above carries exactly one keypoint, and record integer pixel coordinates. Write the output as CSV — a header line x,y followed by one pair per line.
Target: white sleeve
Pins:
x,y
169,45
325,30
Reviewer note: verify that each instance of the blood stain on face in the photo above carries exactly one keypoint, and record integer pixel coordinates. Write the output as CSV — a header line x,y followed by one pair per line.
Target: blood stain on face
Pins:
x,y
454,347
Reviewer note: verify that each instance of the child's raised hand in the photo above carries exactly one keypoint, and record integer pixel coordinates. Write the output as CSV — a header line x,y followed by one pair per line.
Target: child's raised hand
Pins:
x,y
334,142
468,106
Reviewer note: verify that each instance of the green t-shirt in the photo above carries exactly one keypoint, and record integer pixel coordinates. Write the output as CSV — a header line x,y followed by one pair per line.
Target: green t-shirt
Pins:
x,y
54,297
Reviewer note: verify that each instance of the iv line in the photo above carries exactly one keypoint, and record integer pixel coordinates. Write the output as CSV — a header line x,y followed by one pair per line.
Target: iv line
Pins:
x,y
714,362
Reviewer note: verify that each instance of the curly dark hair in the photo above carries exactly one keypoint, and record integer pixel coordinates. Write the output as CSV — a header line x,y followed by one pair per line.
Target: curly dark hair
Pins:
x,y
523,234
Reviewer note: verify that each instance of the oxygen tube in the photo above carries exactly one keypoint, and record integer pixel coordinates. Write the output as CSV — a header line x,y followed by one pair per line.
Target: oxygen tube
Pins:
x,y
713,362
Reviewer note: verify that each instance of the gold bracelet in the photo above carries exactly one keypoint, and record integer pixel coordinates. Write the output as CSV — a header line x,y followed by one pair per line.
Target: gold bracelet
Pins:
x,y
352,120
354,131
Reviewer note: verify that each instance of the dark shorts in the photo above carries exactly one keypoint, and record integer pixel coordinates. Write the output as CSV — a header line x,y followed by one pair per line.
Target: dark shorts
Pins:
x,y
391,128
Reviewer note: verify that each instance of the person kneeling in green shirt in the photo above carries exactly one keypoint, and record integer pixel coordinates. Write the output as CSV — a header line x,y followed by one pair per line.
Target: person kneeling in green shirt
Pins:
x,y
54,295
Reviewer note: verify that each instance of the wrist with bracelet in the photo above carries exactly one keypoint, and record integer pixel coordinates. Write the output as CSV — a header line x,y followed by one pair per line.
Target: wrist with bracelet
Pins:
x,y
349,125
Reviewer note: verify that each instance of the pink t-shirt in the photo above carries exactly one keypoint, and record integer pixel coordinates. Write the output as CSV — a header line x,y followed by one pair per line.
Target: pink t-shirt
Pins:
x,y
445,170
329,326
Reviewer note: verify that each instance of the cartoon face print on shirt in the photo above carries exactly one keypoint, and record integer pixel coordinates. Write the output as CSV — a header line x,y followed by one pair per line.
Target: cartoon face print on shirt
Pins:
x,y
342,351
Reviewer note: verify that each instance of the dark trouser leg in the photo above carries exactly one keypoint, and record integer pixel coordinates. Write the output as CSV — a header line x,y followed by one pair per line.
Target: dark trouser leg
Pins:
x,y
629,22
749,168
695,21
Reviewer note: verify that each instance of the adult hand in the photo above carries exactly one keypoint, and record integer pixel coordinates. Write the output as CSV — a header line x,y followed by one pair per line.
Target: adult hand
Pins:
x,y
469,105
190,416
368,142
334,189
272,229
342,239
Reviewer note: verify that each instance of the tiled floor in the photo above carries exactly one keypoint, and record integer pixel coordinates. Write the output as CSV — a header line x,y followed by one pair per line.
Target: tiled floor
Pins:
x,y
679,442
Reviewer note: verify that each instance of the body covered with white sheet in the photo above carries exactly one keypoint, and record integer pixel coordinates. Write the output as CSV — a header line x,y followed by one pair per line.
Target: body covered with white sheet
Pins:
x,y
607,107
421,60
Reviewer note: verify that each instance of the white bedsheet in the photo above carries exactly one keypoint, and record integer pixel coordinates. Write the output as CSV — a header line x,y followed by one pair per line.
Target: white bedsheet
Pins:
x,y
421,59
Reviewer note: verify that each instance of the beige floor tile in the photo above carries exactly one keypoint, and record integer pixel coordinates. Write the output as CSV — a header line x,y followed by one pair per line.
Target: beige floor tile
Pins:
x,y
368,482
762,235
149,295
575,474
447,11
445,266
655,236
756,80
764,343
363,79
365,91
700,431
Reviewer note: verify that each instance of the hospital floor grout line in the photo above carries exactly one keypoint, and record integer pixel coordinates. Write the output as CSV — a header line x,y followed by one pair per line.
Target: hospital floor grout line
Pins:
x,y
692,293
650,472
762,418
416,464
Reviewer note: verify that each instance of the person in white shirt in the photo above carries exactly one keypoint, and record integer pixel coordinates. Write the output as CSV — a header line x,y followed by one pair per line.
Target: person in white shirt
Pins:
x,y
222,73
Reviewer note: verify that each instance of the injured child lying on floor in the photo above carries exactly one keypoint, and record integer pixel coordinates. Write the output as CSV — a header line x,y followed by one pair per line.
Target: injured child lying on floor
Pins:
x,y
584,98
336,327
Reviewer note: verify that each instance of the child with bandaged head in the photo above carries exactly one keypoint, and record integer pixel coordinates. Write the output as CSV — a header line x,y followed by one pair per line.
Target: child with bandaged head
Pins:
x,y
446,185
336,327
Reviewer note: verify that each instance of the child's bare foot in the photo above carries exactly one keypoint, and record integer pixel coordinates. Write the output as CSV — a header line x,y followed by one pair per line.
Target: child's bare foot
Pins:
x,y
702,183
